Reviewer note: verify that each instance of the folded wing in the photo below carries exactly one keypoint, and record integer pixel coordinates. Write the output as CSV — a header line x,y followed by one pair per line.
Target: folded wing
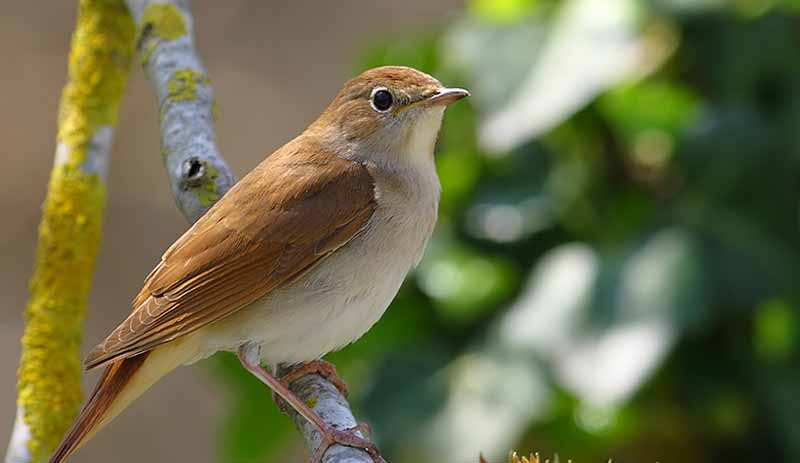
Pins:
x,y
294,209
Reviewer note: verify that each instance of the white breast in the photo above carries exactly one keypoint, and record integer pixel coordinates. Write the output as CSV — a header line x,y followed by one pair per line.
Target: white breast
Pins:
x,y
339,299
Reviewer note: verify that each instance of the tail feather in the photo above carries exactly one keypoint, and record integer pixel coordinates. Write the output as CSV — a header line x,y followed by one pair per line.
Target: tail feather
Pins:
x,y
115,377
122,382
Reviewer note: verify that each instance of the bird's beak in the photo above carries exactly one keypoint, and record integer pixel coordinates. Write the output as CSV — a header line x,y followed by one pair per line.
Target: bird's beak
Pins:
x,y
441,97
446,96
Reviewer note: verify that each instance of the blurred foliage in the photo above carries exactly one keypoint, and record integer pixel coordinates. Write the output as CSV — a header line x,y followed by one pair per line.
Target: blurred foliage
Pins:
x,y
618,282
514,458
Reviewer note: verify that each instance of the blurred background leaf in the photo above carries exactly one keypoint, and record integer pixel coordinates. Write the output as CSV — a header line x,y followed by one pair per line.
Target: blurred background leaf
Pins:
x,y
614,273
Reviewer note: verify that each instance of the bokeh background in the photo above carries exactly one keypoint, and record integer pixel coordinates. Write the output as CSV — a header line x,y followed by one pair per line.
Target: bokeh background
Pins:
x,y
614,273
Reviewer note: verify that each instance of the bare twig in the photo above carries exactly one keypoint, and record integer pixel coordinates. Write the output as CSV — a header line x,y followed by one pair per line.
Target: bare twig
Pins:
x,y
198,174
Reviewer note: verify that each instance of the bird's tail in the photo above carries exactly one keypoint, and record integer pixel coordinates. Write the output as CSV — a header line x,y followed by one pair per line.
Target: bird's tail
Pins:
x,y
122,382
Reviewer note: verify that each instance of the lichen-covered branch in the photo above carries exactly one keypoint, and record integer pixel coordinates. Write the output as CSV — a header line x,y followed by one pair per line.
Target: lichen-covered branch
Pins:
x,y
199,175
197,172
70,230
328,402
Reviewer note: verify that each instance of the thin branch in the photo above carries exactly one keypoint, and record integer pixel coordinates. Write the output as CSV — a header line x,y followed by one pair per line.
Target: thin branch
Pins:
x,y
198,174
70,230
332,407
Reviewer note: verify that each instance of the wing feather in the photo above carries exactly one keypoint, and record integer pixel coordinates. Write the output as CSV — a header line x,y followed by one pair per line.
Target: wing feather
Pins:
x,y
294,209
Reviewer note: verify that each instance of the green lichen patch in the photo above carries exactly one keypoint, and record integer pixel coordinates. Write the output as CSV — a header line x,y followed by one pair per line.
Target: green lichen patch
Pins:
x,y
206,192
50,370
312,401
182,86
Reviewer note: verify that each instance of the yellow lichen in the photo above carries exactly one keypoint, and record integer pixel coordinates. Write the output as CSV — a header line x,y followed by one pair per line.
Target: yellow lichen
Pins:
x,y
159,22
206,192
163,21
99,59
182,86
71,227
50,368
312,401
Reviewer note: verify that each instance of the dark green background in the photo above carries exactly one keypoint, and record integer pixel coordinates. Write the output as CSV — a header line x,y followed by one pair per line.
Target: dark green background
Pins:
x,y
658,216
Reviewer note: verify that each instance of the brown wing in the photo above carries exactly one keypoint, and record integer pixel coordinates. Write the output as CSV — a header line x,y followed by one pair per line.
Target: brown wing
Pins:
x,y
294,209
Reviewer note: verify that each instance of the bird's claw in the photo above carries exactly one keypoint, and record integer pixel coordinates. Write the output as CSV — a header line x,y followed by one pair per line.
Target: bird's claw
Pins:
x,y
347,437
319,367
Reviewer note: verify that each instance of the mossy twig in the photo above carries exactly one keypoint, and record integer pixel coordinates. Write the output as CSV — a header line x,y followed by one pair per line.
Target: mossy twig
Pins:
x,y
70,230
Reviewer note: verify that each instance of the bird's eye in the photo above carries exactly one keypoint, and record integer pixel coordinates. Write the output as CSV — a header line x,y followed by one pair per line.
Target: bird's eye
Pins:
x,y
382,99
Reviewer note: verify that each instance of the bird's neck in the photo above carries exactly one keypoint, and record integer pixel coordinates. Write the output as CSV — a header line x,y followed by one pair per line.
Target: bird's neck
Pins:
x,y
403,148
417,148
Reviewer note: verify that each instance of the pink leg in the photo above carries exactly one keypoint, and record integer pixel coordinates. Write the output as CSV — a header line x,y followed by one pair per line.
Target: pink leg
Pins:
x,y
319,367
330,435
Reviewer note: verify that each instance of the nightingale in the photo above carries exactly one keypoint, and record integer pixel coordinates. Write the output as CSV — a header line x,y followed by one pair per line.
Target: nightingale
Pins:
x,y
301,257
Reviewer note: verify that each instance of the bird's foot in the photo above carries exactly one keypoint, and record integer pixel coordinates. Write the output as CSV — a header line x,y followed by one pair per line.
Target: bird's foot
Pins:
x,y
329,435
347,437
320,367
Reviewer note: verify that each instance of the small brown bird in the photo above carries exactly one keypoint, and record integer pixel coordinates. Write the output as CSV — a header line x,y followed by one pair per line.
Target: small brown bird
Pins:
x,y
299,258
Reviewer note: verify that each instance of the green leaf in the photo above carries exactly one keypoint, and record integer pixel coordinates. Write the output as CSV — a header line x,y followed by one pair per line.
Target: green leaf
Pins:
x,y
650,105
464,283
776,326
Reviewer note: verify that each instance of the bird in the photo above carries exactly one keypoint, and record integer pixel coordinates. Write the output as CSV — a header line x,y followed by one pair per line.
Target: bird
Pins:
x,y
301,257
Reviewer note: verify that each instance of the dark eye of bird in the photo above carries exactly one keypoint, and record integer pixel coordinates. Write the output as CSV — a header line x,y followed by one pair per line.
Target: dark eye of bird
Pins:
x,y
382,100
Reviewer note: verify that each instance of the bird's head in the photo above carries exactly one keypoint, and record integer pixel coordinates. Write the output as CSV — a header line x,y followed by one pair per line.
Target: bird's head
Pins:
x,y
390,111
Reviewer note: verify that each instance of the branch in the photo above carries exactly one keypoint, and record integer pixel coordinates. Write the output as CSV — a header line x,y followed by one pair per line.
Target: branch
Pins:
x,y
69,234
332,407
198,174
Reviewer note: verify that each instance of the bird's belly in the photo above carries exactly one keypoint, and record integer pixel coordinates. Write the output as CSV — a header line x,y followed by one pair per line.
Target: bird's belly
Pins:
x,y
335,302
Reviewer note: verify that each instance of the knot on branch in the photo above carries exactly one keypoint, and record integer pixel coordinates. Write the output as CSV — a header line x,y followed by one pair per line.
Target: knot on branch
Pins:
x,y
193,172
199,177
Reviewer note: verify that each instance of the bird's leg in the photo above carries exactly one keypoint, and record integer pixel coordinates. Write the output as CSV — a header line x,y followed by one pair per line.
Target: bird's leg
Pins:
x,y
319,367
348,438
250,357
